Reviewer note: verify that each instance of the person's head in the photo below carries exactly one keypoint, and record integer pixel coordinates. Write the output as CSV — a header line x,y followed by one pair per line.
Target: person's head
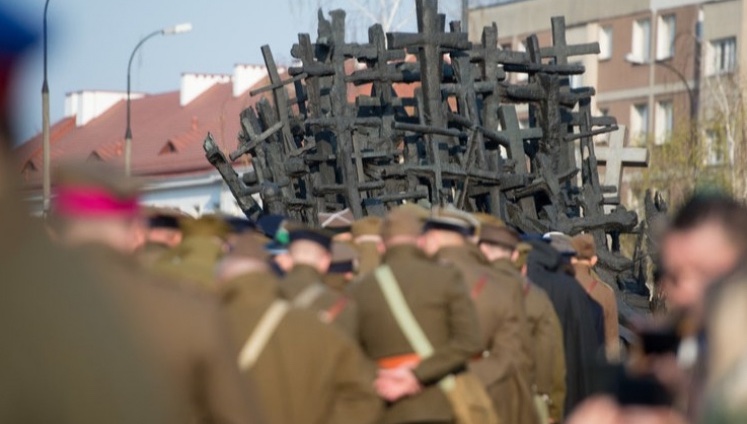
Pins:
x,y
496,240
164,227
705,241
310,247
447,227
247,255
96,205
366,235
586,250
344,260
563,244
522,257
404,226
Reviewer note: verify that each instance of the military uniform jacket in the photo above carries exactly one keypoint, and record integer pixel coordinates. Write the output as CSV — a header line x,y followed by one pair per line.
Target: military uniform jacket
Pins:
x,y
187,334
69,355
440,303
605,296
308,372
545,330
344,309
500,311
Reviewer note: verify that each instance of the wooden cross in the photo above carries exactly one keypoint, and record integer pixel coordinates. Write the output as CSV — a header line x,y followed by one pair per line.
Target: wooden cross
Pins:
x,y
431,42
616,156
560,50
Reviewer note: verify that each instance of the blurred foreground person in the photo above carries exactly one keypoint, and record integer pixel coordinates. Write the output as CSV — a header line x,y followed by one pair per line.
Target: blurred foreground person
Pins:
x,y
504,365
546,268
310,252
68,355
705,242
306,372
96,211
605,410
438,299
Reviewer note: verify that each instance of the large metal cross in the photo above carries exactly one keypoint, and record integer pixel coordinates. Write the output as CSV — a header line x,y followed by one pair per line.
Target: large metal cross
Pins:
x,y
616,156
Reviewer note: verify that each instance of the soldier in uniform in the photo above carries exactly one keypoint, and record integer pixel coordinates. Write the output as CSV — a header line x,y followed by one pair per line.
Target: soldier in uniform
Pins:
x,y
164,233
366,233
310,253
504,366
96,212
194,260
441,305
306,372
499,244
583,262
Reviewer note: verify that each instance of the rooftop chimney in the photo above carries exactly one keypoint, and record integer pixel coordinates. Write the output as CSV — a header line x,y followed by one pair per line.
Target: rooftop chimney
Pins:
x,y
87,105
247,76
195,84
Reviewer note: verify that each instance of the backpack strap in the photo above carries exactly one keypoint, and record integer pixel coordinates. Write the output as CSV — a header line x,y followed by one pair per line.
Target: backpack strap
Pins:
x,y
308,296
257,341
405,319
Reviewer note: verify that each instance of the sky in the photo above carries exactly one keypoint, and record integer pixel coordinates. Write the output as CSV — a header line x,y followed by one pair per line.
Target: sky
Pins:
x,y
90,42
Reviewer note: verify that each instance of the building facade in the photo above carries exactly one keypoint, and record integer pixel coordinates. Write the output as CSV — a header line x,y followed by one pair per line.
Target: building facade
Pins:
x,y
666,68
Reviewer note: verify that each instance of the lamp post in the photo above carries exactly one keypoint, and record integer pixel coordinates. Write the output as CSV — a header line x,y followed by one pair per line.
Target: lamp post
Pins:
x,y
46,178
177,29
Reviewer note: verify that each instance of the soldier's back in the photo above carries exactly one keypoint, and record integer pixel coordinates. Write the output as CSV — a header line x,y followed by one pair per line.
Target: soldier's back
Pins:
x,y
440,303
69,355
304,287
186,334
308,372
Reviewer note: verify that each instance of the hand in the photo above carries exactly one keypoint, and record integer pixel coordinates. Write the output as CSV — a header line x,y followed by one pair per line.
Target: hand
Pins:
x,y
394,384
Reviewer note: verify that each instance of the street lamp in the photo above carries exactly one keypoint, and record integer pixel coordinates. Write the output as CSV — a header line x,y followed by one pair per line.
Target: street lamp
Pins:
x,y
635,61
46,178
177,29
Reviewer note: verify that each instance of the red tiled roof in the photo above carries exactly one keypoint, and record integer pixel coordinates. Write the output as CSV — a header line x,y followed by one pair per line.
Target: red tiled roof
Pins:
x,y
155,121
166,137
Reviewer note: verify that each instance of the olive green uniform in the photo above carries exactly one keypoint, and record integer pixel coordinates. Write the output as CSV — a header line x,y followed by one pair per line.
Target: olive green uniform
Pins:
x,y
187,335
333,307
441,305
506,361
308,372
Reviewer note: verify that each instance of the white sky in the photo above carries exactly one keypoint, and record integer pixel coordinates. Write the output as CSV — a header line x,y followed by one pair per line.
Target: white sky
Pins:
x,y
90,42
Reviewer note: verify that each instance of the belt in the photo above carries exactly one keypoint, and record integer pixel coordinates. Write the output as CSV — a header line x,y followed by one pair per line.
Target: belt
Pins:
x,y
398,361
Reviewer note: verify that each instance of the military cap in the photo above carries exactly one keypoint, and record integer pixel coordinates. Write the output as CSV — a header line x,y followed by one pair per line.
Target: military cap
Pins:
x,y
405,220
344,258
449,218
560,242
90,190
274,227
320,236
208,225
494,231
249,245
338,222
368,226
584,246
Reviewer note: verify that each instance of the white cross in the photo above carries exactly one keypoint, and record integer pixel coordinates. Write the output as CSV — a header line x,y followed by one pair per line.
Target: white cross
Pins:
x,y
615,156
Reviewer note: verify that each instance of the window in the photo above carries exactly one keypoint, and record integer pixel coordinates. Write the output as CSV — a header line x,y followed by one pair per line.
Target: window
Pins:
x,y
576,81
665,34
664,121
605,42
714,151
723,54
521,76
639,122
641,51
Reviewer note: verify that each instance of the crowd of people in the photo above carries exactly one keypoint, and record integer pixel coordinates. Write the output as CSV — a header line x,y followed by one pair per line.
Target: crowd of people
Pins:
x,y
113,312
